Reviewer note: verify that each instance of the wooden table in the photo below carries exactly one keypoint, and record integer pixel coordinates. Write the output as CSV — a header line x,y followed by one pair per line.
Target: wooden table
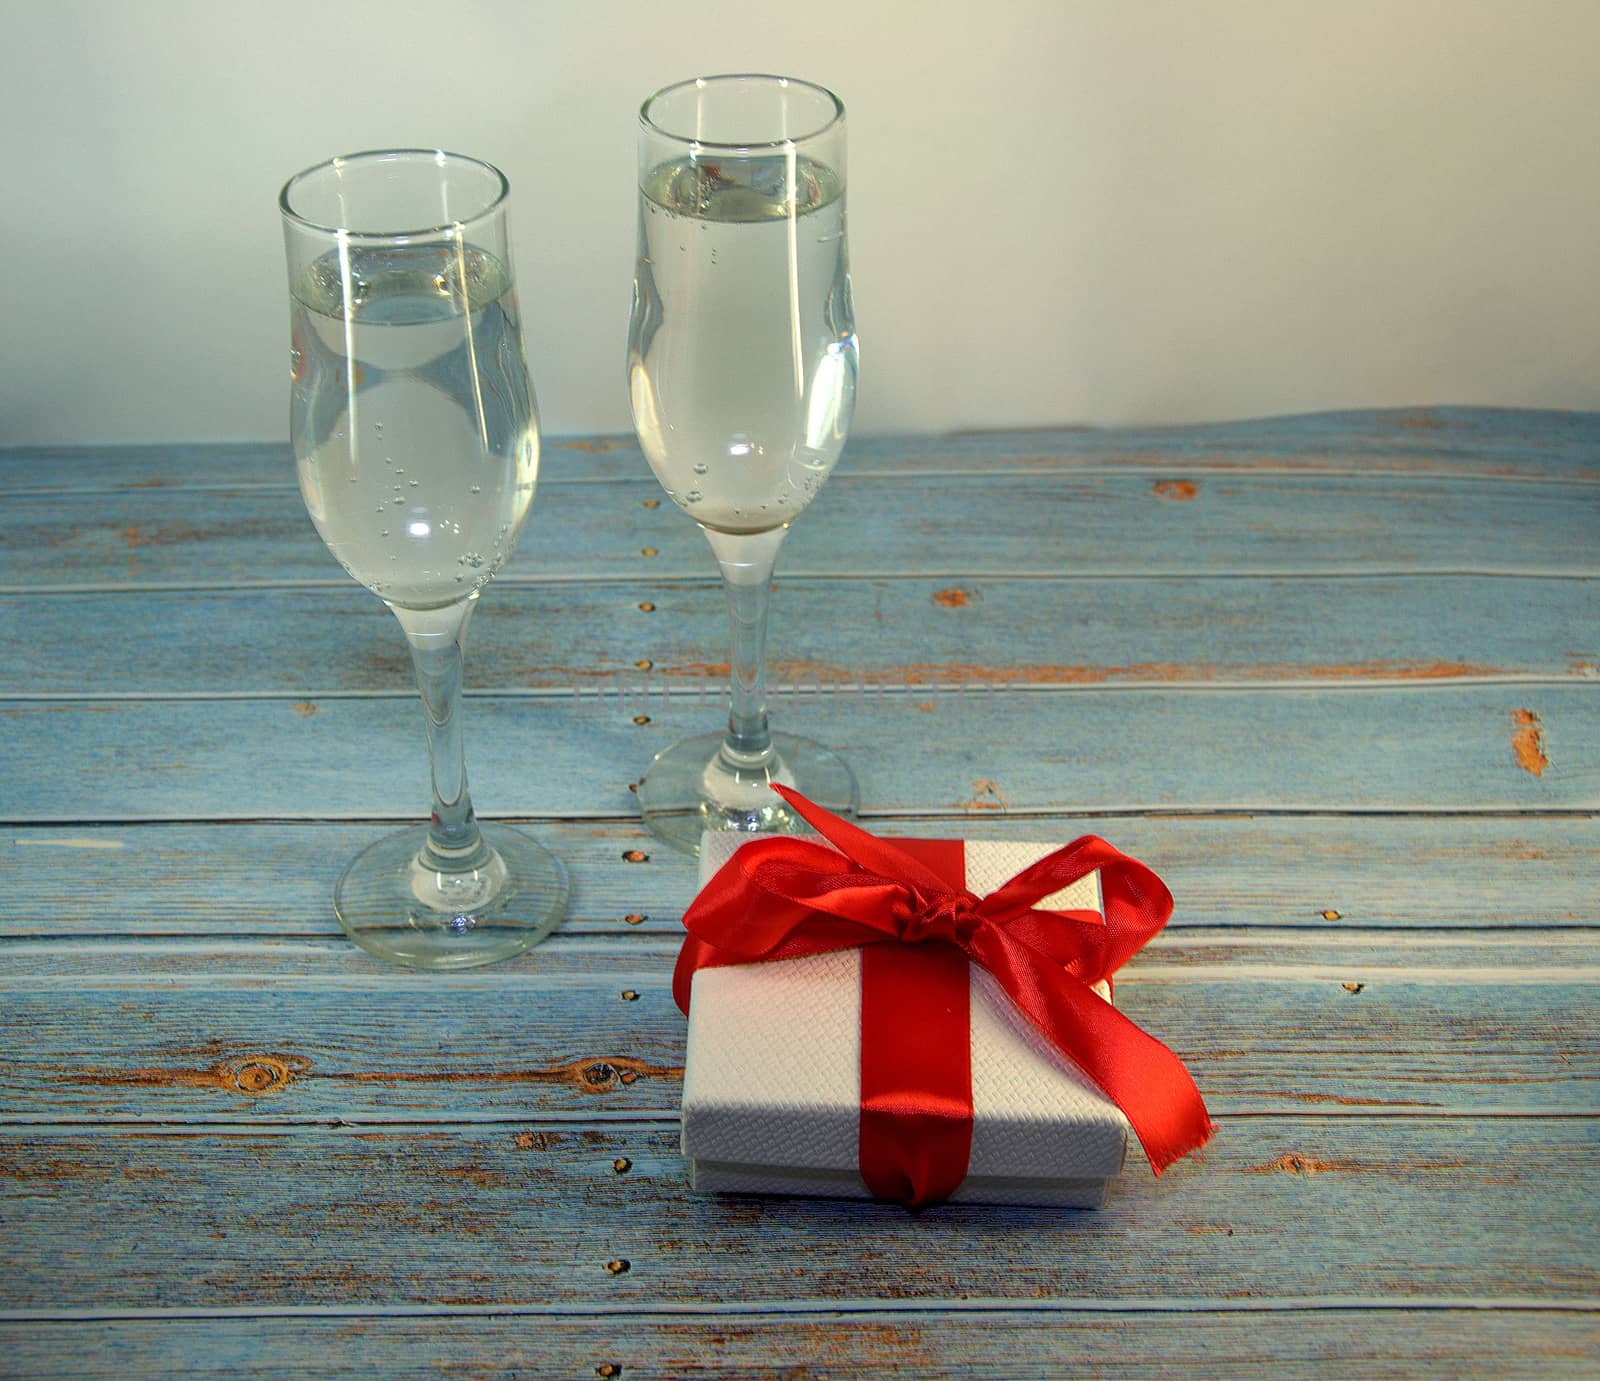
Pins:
x,y
1336,677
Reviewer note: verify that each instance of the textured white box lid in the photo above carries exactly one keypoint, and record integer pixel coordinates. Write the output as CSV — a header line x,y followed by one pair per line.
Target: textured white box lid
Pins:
x,y
772,1075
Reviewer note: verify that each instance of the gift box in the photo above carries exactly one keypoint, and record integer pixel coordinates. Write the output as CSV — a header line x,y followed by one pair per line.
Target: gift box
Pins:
x,y
919,1020
772,1078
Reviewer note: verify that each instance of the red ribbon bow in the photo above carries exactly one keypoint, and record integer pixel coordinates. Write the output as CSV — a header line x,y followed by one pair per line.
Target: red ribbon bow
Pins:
x,y
782,898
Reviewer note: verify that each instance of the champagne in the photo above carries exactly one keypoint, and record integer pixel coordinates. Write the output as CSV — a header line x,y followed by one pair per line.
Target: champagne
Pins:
x,y
415,428
742,347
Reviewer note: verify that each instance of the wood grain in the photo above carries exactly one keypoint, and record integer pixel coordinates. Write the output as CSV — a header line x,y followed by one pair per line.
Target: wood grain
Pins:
x,y
1282,1207
172,1033
1131,631
929,1344
1326,874
1478,443
1088,524
971,753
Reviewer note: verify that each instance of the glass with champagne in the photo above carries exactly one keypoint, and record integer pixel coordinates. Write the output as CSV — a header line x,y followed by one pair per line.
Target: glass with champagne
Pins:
x,y
742,364
416,439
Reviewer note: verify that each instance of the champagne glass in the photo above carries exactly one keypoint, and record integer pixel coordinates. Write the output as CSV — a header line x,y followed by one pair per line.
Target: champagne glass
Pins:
x,y
742,380
416,437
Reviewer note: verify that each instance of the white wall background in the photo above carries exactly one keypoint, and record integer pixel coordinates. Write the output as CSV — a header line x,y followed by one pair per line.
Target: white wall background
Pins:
x,y
1088,211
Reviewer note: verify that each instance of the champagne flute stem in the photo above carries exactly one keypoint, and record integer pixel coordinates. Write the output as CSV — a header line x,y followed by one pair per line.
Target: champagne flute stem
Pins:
x,y
746,561
437,638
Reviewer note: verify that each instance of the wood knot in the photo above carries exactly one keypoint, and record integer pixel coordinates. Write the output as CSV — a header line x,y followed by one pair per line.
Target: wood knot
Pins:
x,y
1330,915
258,1074
1353,987
635,918
644,664
629,995
641,719
652,503
635,856
647,551
953,598
620,1266
646,607
1179,491
621,1165
1293,1163
606,1075
612,1369
536,1141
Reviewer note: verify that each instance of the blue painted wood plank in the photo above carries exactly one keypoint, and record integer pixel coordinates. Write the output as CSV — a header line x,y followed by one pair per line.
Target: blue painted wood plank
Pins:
x,y
148,1033
1321,874
826,632
952,1344
1093,524
1516,956
923,752
1483,443
1281,1207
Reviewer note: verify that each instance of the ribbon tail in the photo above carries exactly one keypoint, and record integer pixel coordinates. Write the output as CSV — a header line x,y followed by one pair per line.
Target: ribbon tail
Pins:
x,y
1135,1070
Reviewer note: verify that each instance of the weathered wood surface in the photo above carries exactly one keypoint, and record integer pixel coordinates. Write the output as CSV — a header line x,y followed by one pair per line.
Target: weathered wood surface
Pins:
x,y
1373,1208
1477,443
1037,633
1336,677
932,1345
952,752
1324,873
194,1033
1085,524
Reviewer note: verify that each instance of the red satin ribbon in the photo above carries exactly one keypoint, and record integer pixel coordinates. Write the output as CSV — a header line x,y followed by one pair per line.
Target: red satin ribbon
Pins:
x,y
916,1056
782,898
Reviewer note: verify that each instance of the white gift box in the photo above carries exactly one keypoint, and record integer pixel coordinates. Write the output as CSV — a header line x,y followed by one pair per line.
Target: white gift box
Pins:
x,y
772,1078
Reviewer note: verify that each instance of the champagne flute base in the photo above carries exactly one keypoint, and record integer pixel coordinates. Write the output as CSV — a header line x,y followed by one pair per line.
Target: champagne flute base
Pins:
x,y
694,787
395,902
